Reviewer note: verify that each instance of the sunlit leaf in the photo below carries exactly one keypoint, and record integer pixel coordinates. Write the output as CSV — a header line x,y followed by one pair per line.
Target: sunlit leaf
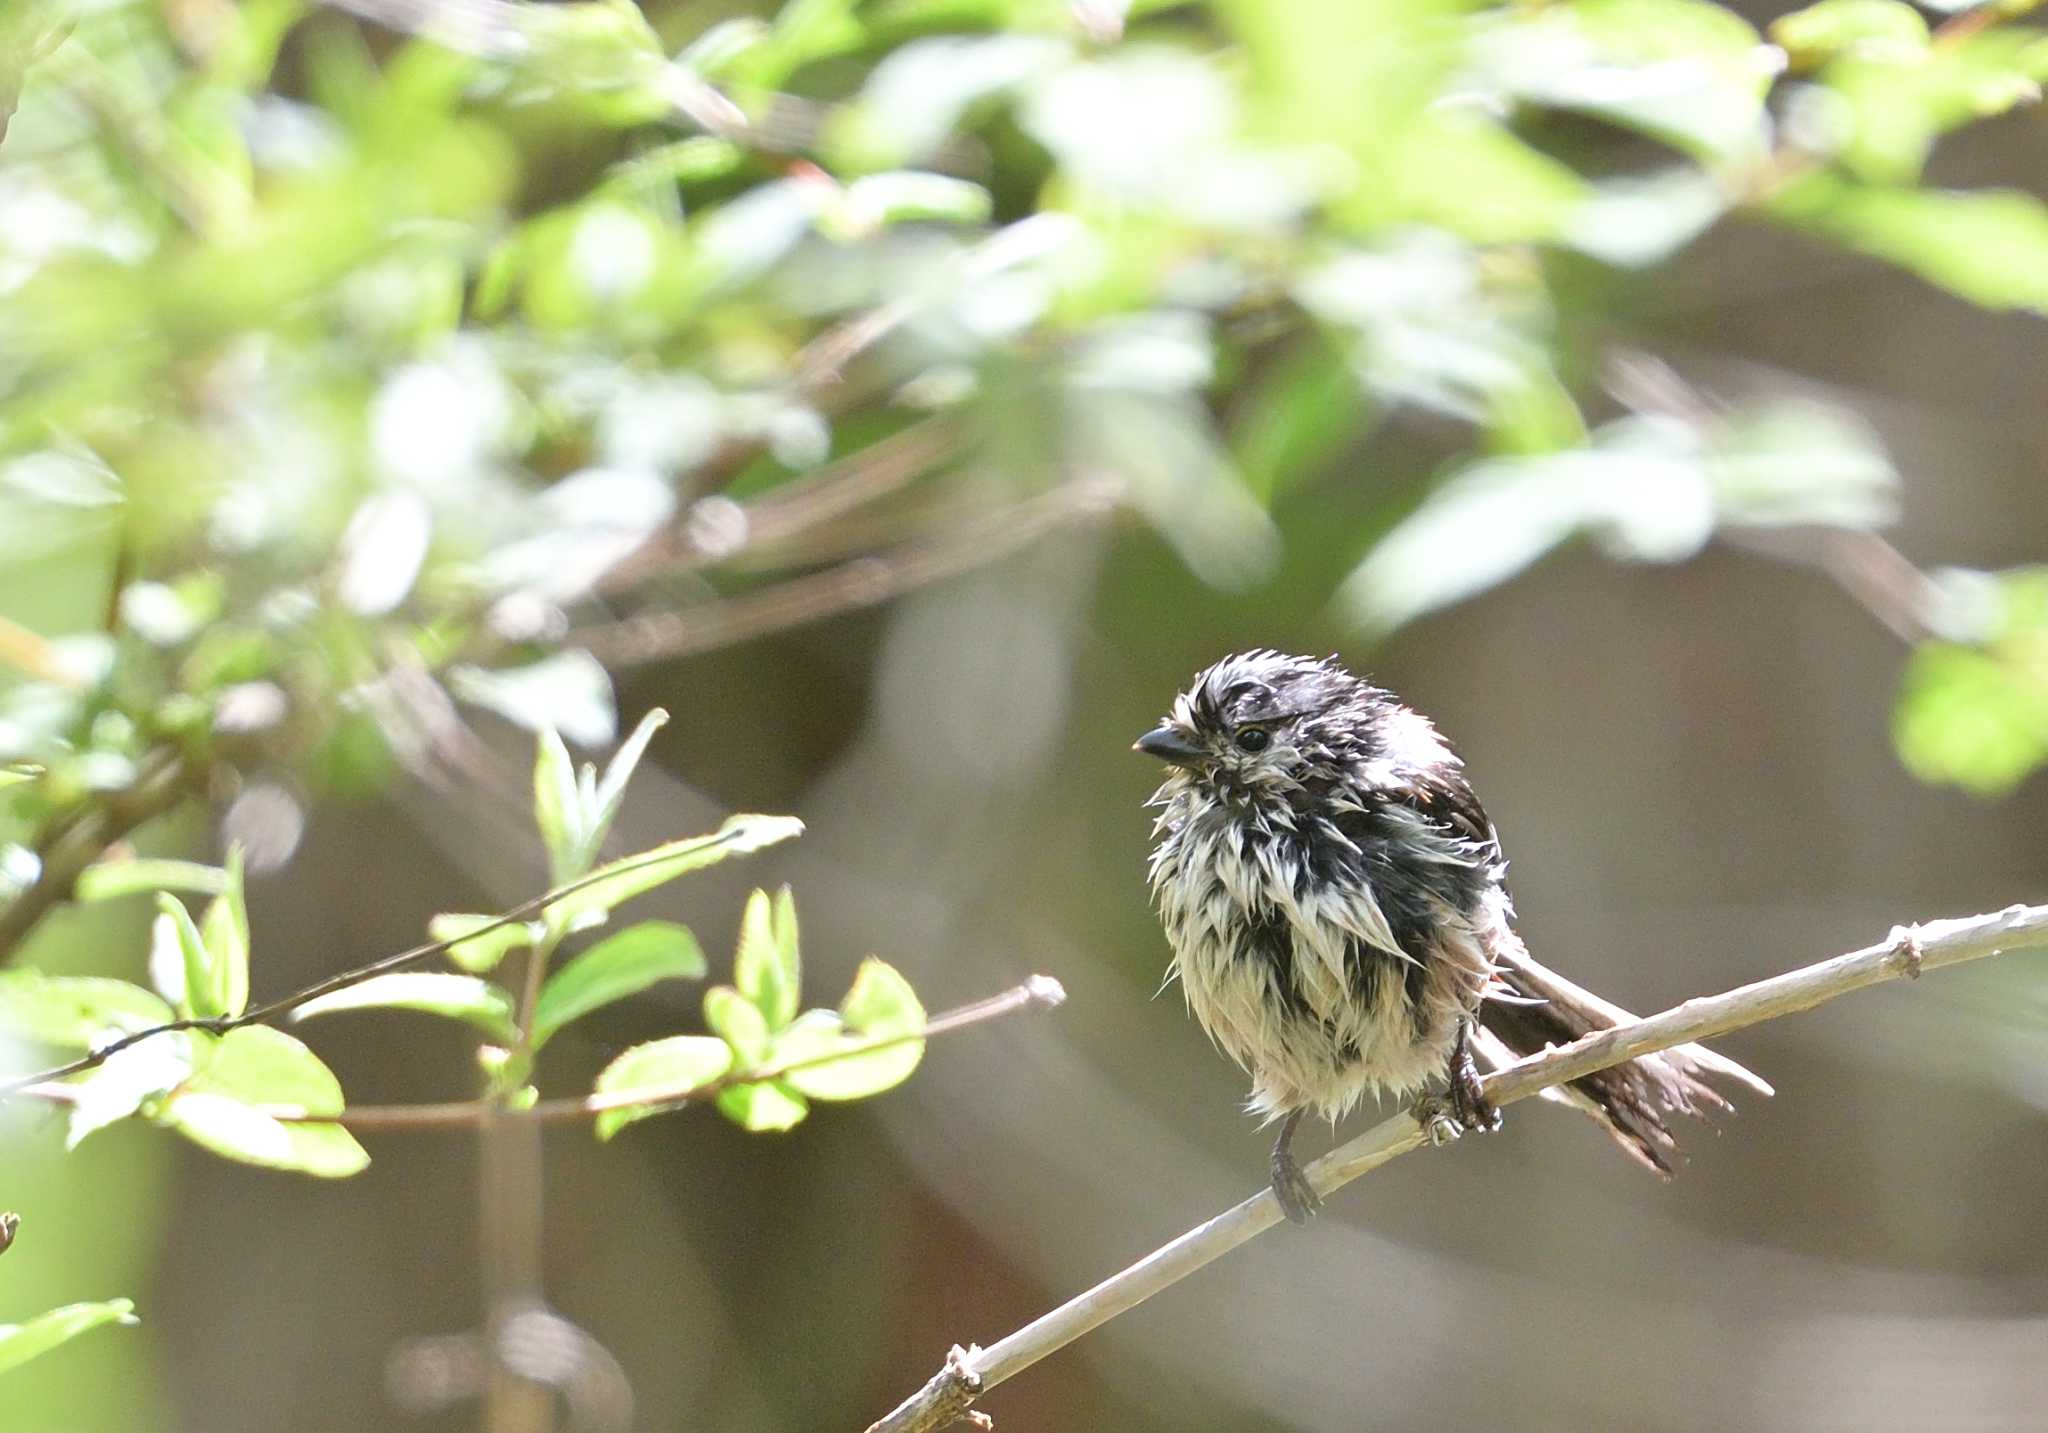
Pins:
x,y
1975,715
204,986
660,1067
74,1012
611,791
456,997
21,1342
481,954
243,1083
621,880
568,691
558,808
768,966
767,1105
618,966
128,1077
879,1005
225,928
1987,246
110,880
741,1023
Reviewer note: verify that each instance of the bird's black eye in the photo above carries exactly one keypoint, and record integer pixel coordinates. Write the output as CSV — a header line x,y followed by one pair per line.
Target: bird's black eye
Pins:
x,y
1253,738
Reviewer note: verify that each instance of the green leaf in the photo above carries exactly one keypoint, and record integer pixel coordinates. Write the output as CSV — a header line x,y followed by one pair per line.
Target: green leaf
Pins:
x,y
74,1012
558,808
768,968
118,1087
457,997
1988,246
482,953
1650,489
878,201
603,808
1297,415
621,880
243,1081
110,880
21,1342
880,1001
204,992
742,1025
1686,72
879,1005
660,1067
569,692
1820,32
1975,714
616,967
225,929
769,1105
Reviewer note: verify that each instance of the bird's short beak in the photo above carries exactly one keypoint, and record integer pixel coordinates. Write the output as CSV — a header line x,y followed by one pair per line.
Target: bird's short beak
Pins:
x,y
1168,744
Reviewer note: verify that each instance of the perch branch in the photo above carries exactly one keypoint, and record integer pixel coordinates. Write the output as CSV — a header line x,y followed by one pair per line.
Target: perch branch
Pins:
x,y
969,1372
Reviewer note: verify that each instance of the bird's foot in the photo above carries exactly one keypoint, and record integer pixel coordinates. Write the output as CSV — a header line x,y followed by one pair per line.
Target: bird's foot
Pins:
x,y
1467,1097
1298,1198
1438,1119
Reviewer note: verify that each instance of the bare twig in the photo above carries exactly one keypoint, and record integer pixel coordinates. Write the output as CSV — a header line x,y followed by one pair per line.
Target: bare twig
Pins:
x,y
969,1372
861,582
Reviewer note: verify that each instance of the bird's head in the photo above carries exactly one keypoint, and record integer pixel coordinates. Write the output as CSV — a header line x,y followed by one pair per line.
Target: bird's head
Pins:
x,y
1264,723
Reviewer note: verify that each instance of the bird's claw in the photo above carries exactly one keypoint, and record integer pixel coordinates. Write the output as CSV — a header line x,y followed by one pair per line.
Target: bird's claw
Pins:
x,y
1298,1198
1439,1123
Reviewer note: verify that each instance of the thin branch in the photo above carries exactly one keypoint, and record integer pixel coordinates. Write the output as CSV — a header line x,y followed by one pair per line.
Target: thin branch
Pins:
x,y
969,1372
220,1025
861,582
1040,992
164,780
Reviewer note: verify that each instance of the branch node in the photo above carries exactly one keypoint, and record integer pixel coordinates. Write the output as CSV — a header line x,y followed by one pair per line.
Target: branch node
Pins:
x,y
946,1399
1045,991
1907,953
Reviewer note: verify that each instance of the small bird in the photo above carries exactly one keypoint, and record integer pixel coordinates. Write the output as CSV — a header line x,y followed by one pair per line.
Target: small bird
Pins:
x,y
1335,898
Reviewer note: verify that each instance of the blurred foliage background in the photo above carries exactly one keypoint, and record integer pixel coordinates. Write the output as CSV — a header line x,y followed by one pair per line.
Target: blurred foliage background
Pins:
x,y
909,395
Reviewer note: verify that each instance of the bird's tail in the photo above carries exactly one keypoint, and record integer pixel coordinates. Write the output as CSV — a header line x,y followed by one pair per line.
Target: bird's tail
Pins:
x,y
1530,1006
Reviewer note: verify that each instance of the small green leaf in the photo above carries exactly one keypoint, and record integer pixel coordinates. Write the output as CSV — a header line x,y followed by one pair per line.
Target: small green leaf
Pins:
x,y
1989,246
243,1082
735,1018
557,807
204,995
881,1002
118,1087
1821,31
659,1068
262,1066
483,953
621,880
74,1012
225,929
21,1342
110,880
880,1005
769,1105
616,967
768,968
611,792
458,997
568,692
